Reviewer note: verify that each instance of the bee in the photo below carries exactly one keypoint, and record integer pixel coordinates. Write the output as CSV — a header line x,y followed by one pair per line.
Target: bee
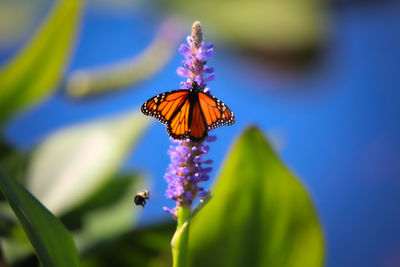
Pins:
x,y
141,196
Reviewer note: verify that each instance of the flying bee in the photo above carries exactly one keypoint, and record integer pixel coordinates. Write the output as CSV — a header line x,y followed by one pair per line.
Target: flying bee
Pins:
x,y
141,196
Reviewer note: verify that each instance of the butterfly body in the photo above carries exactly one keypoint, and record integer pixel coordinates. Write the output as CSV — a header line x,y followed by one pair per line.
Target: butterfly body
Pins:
x,y
188,114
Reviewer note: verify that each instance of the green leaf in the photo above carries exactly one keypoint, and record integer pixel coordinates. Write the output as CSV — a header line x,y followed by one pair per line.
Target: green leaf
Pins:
x,y
260,214
52,242
35,72
16,247
13,160
146,246
260,25
75,161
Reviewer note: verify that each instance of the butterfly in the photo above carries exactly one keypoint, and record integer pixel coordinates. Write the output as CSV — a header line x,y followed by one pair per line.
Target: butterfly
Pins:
x,y
188,114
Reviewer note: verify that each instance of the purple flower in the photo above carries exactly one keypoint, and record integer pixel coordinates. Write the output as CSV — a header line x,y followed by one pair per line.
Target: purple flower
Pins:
x,y
196,53
187,170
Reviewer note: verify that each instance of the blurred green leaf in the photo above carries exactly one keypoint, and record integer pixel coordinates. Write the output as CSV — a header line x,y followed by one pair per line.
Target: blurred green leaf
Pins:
x,y
260,215
13,160
270,24
14,28
145,247
51,240
75,161
287,35
16,247
110,193
7,218
34,73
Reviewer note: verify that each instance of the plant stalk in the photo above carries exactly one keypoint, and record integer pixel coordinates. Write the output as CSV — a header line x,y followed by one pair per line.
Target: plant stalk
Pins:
x,y
180,241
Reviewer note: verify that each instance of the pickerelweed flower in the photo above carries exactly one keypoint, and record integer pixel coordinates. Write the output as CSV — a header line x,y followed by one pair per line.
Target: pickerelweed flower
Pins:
x,y
188,166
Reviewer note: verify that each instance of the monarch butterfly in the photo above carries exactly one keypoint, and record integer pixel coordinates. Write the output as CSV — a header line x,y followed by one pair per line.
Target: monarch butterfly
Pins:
x,y
188,114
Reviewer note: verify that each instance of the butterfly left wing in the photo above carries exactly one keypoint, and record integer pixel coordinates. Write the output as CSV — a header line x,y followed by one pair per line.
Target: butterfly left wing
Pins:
x,y
164,106
178,126
171,108
215,112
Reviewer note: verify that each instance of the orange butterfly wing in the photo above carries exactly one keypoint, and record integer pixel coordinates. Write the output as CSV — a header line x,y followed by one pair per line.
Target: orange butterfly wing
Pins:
x,y
178,127
215,112
165,105
171,108
198,128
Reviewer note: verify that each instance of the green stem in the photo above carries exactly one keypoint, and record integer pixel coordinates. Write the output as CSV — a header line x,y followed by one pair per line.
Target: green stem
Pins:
x,y
180,241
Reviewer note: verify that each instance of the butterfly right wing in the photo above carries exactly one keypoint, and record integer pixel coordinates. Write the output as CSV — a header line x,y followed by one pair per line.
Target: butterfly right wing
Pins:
x,y
165,106
198,127
215,112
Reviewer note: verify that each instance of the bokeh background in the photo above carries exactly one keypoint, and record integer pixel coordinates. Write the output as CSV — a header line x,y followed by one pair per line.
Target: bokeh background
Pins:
x,y
319,77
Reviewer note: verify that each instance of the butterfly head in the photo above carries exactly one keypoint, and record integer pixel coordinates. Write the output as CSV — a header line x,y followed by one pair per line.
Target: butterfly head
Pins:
x,y
195,87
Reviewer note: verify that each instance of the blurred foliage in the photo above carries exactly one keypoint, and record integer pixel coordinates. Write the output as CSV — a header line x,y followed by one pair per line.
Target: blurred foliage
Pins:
x,y
285,33
109,194
260,215
13,160
74,161
52,242
14,28
89,82
93,200
108,213
35,72
75,170
264,24
16,246
148,246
